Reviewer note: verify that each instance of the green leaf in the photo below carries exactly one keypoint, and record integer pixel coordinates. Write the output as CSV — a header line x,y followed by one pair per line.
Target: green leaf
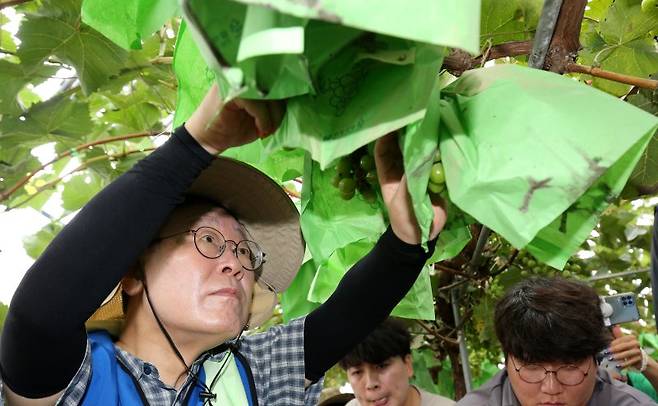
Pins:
x,y
644,179
13,78
35,244
94,57
423,360
128,22
135,118
28,98
509,20
7,42
621,43
636,58
626,22
597,9
79,190
60,119
3,314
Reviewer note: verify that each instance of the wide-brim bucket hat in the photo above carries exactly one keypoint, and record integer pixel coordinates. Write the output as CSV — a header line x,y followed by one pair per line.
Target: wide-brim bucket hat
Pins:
x,y
271,219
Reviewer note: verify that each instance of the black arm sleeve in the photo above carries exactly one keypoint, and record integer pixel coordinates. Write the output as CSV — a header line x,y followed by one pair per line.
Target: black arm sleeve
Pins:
x,y
44,339
363,299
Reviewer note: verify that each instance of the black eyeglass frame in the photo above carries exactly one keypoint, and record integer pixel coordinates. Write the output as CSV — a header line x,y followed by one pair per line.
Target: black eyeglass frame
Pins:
x,y
554,372
194,231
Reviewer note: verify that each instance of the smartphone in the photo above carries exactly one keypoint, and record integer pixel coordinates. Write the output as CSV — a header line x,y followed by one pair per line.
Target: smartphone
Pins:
x,y
624,307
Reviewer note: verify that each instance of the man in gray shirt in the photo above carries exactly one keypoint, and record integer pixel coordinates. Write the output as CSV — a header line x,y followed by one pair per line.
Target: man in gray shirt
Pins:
x,y
551,330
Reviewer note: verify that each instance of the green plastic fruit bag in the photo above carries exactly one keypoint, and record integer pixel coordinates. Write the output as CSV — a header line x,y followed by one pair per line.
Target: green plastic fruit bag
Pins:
x,y
417,304
261,49
522,146
255,52
373,86
329,222
294,301
340,232
453,23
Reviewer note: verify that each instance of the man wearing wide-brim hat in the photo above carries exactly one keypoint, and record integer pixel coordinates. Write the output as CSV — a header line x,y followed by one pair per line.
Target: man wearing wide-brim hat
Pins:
x,y
200,246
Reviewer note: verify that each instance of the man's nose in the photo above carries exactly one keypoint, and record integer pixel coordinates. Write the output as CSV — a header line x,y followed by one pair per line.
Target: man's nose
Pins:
x,y
229,262
550,385
372,380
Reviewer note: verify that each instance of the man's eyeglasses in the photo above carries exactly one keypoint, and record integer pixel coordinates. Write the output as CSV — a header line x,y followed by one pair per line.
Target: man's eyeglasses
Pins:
x,y
568,375
211,244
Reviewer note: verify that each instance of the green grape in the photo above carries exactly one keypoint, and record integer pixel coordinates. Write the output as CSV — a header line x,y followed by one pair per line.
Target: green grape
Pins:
x,y
360,174
344,167
436,188
369,195
335,180
347,195
437,156
371,177
347,186
566,274
536,269
437,175
531,263
362,185
648,5
524,273
356,172
367,163
576,268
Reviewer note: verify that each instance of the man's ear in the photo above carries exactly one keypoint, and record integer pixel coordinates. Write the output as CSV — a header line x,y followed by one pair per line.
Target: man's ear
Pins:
x,y
132,283
132,286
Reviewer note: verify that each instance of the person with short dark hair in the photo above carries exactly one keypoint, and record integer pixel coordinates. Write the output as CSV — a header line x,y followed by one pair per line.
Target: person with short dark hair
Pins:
x,y
379,369
550,330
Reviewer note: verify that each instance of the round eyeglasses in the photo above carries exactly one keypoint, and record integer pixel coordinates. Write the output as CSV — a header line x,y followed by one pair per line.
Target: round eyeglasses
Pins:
x,y
568,375
211,244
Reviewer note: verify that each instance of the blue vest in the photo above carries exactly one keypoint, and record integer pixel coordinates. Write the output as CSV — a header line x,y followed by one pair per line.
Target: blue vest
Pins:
x,y
111,384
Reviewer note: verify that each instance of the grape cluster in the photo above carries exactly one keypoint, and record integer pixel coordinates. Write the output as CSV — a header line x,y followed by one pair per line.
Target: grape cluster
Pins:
x,y
437,183
356,172
530,266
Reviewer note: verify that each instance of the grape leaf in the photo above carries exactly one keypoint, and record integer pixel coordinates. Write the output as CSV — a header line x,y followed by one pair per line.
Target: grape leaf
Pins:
x,y
13,78
35,244
126,23
7,43
58,118
79,190
626,22
621,43
509,21
94,57
644,179
597,9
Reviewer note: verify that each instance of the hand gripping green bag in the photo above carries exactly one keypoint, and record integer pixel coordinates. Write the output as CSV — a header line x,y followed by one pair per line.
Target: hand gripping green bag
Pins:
x,y
536,156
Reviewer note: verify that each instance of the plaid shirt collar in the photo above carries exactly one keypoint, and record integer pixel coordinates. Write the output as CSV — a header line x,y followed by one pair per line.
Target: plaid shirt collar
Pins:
x,y
148,377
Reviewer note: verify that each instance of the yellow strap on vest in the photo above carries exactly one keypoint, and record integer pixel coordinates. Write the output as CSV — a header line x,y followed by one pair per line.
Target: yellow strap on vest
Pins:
x,y
228,388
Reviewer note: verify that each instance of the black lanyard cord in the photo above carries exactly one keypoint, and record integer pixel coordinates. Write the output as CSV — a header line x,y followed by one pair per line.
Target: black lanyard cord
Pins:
x,y
171,343
206,393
